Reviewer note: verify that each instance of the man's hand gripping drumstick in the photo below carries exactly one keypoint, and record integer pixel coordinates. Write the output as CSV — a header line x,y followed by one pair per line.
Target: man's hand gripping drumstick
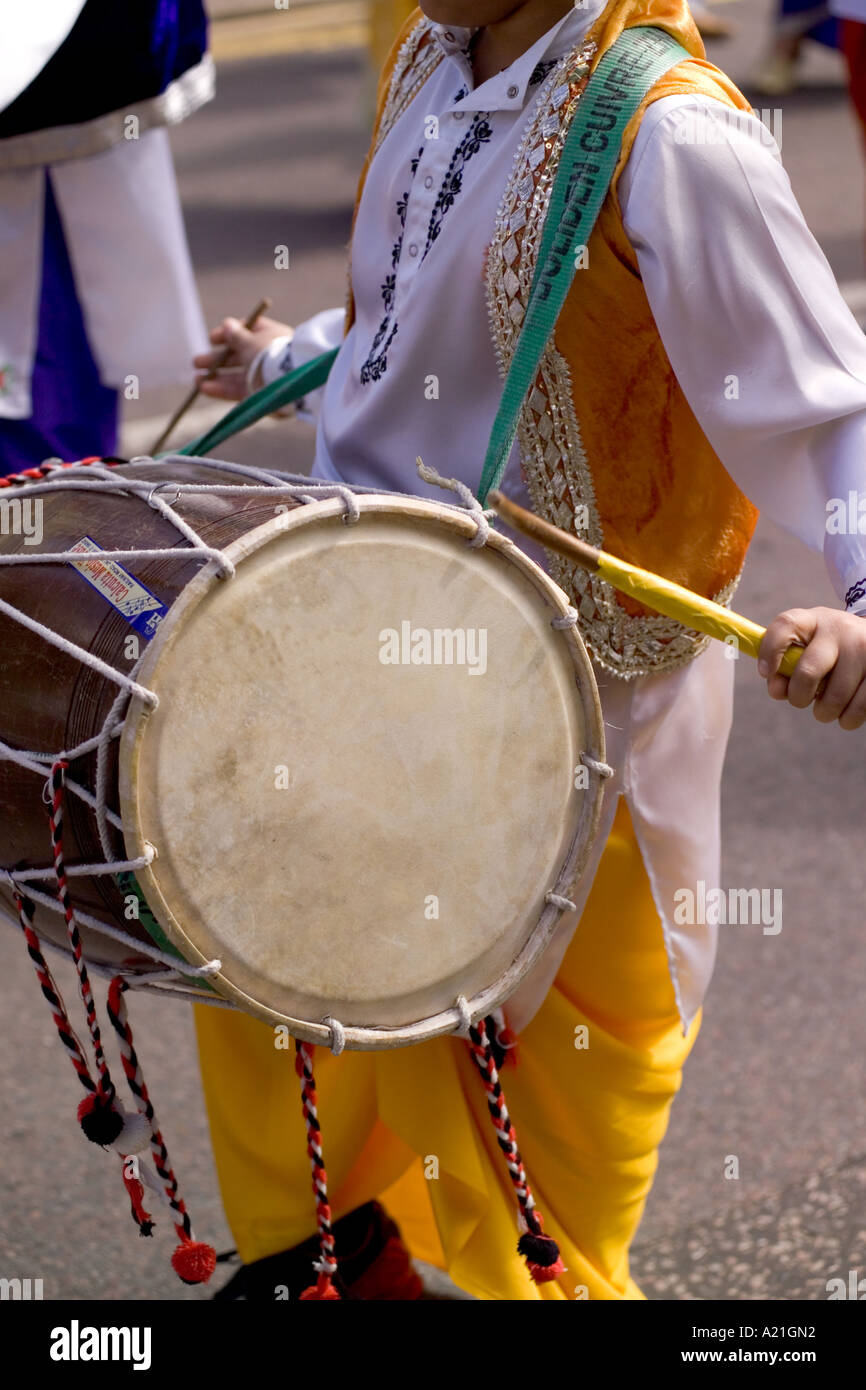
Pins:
x,y
224,372
808,656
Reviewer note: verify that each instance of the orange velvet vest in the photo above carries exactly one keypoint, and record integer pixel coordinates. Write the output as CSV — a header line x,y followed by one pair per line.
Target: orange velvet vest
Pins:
x,y
608,441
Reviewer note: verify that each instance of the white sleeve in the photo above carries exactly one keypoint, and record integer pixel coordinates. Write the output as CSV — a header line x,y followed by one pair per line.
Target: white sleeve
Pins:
x,y
768,355
310,338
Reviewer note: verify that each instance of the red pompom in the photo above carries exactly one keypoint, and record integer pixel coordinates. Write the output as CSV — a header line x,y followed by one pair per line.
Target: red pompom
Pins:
x,y
99,1119
322,1289
542,1257
194,1262
543,1274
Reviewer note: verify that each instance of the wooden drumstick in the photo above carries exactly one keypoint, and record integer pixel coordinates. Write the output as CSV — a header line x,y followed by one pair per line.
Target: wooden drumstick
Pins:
x,y
673,600
249,322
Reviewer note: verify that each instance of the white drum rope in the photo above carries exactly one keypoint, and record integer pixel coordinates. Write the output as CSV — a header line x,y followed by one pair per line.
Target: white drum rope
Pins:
x,y
63,644
467,496
464,1015
211,967
338,1034
564,904
601,769
20,877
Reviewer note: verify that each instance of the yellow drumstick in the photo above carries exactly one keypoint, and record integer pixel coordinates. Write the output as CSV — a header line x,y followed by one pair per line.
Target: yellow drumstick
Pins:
x,y
673,600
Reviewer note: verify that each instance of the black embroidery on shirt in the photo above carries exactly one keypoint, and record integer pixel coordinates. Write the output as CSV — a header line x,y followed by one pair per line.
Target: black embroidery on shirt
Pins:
x,y
478,134
856,592
452,185
540,71
462,93
376,363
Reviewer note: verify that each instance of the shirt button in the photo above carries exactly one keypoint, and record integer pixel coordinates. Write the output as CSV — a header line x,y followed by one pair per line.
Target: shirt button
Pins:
x,y
512,90
458,115
428,182
413,249
448,35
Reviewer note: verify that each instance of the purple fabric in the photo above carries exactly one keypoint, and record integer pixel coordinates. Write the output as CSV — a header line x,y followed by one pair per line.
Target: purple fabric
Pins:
x,y
825,31
74,415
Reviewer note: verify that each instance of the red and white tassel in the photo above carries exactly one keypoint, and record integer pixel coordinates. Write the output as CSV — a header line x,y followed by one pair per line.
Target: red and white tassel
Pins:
x,y
540,1252
326,1265
193,1261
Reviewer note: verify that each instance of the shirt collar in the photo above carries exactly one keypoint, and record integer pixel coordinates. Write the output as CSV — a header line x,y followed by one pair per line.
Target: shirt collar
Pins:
x,y
509,90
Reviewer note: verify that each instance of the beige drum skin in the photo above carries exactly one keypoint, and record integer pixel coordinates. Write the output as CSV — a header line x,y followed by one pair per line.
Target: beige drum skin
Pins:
x,y
361,778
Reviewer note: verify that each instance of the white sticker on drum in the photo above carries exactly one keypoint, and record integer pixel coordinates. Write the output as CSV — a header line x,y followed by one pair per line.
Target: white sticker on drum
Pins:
x,y
139,606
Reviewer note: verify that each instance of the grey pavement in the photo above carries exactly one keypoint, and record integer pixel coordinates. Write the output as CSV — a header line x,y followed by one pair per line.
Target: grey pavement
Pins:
x,y
776,1079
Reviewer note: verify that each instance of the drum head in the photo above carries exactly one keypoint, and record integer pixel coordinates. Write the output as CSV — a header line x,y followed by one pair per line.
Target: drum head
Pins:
x,y
360,777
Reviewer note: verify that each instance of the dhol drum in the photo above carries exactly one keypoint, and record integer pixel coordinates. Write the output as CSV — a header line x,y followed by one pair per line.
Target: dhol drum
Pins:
x,y
331,756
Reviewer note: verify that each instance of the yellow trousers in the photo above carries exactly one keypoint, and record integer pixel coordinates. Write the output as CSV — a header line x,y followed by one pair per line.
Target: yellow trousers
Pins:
x,y
596,1072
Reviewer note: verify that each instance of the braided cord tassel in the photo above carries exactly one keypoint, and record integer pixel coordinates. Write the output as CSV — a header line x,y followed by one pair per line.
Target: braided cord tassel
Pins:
x,y
98,1114
74,1050
193,1261
326,1266
540,1252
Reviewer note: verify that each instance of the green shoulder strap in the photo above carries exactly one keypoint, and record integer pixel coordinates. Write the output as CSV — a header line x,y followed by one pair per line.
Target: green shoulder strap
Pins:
x,y
290,387
616,89
624,75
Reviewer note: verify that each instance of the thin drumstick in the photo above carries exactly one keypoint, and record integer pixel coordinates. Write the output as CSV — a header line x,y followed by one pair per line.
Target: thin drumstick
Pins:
x,y
673,600
249,322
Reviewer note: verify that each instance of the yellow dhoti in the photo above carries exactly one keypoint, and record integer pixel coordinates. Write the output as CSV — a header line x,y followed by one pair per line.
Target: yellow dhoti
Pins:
x,y
596,1072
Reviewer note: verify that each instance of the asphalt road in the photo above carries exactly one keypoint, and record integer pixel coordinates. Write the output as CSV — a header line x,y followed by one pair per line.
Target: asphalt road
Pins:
x,y
777,1075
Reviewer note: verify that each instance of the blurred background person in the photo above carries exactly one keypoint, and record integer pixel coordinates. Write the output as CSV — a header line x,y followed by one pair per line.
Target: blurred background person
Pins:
x,y
851,15
711,25
97,293
796,22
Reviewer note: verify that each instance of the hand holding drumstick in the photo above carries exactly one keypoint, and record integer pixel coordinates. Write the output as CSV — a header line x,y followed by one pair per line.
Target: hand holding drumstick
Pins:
x,y
807,656
223,373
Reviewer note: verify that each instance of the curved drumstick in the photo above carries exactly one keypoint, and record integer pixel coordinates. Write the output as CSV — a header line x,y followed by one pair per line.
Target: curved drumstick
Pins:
x,y
673,600
192,396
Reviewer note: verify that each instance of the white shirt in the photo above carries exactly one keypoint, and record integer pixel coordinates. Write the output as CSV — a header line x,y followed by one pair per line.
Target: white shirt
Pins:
x,y
738,288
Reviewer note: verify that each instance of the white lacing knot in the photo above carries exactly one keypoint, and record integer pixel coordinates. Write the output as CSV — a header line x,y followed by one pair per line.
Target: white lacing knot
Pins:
x,y
351,510
565,620
462,1006
338,1034
602,769
467,497
564,904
